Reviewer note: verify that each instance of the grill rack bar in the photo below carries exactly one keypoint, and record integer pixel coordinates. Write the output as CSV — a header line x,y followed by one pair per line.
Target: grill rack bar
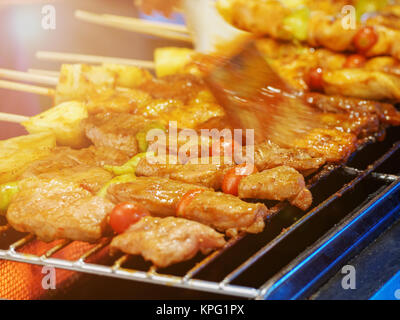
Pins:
x,y
187,282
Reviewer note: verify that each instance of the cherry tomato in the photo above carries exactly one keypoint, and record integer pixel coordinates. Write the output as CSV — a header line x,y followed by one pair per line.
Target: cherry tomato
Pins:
x,y
365,39
125,214
232,178
355,61
185,201
315,79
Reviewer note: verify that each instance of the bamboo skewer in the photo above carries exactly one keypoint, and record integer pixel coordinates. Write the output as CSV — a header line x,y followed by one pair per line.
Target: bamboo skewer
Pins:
x,y
27,77
49,73
27,88
135,25
146,23
84,58
15,118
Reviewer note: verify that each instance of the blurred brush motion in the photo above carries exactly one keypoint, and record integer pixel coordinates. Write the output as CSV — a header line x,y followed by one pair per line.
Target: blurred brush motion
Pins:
x,y
255,97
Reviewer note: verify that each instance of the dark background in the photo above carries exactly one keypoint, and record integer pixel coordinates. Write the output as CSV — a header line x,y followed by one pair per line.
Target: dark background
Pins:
x,y
21,35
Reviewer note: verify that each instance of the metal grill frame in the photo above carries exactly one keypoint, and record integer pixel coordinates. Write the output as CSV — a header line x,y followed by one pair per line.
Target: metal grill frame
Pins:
x,y
224,287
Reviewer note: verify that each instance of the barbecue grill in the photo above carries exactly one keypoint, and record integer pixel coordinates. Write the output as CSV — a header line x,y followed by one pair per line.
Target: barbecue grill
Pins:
x,y
295,254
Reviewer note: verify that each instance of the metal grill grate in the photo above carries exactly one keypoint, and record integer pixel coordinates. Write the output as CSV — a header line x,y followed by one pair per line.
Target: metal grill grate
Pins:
x,y
191,279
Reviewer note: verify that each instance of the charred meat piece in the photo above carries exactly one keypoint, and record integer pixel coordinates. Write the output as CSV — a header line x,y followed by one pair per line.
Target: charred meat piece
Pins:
x,y
165,241
363,84
221,211
334,145
158,195
180,87
280,183
115,130
55,209
269,155
361,125
83,167
227,213
386,112
208,175
88,177
64,158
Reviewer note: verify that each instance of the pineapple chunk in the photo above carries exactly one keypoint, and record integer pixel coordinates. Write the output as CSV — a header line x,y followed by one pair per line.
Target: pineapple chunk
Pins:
x,y
128,76
64,121
172,60
17,153
78,80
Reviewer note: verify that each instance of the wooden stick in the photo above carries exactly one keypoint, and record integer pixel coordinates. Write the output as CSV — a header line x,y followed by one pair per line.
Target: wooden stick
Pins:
x,y
9,117
145,29
27,77
26,88
54,74
149,24
84,58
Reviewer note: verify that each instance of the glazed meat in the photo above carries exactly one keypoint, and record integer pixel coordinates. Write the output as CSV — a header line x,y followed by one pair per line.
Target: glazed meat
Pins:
x,y
221,211
361,125
115,130
65,158
323,28
160,196
207,175
55,209
280,183
269,155
363,84
334,145
83,167
227,213
165,241
377,79
386,112
88,177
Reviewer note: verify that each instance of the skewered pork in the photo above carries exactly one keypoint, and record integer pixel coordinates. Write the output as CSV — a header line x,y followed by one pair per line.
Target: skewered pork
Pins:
x,y
221,211
281,183
165,241
55,209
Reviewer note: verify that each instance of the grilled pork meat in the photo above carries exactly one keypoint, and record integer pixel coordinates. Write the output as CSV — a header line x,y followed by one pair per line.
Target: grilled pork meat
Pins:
x,y
324,25
269,155
222,211
361,125
280,183
55,209
115,130
165,241
64,157
158,195
88,177
208,175
376,79
386,112
334,145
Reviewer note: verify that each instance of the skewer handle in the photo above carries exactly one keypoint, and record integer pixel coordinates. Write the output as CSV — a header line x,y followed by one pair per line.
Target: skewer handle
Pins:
x,y
27,88
27,77
105,20
9,117
82,58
